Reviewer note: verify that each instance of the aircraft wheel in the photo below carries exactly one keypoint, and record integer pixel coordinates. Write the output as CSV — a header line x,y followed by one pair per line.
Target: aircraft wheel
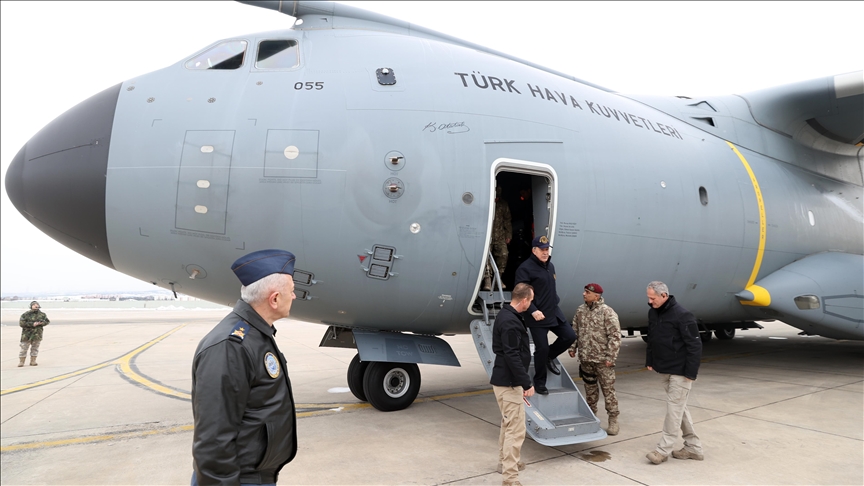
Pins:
x,y
644,337
705,336
725,333
356,371
391,386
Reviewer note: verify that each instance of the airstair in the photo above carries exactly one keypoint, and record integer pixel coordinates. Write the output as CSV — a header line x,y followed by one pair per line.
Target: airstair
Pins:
x,y
562,417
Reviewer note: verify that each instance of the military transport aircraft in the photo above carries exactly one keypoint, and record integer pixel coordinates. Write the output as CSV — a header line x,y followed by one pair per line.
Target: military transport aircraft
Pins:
x,y
371,148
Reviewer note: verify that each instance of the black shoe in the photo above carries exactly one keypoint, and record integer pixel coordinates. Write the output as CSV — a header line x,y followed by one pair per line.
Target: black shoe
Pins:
x,y
551,365
541,390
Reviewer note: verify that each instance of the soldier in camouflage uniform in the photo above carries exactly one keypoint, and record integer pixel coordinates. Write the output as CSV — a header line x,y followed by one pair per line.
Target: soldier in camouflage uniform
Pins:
x,y
598,339
502,231
31,323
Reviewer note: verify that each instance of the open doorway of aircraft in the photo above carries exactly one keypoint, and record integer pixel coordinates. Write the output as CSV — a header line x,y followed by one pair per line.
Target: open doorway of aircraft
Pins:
x,y
377,146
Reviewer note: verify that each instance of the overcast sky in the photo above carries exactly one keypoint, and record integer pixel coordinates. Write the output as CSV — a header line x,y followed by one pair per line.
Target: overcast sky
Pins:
x,y
55,55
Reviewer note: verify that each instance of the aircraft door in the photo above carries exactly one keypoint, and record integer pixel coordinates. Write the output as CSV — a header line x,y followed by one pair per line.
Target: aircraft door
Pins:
x,y
527,182
541,190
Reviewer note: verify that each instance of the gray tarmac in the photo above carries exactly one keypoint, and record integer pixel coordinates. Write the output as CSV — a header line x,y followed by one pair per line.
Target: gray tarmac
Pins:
x,y
108,404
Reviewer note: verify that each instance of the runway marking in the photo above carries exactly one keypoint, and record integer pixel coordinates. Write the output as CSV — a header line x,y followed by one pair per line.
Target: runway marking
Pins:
x,y
95,438
322,408
56,378
123,361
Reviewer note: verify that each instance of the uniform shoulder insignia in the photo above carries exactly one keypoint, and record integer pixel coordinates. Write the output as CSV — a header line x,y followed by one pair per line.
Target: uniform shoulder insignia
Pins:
x,y
238,332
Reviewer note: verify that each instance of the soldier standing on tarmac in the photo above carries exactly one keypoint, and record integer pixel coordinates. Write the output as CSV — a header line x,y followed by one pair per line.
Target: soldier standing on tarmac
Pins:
x,y
31,323
598,339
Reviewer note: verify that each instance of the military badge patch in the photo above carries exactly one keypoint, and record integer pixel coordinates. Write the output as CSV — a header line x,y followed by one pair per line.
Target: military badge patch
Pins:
x,y
272,365
239,331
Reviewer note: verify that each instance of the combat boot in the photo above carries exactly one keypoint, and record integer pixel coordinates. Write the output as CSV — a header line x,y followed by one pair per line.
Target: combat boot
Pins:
x,y
21,362
613,426
33,361
685,454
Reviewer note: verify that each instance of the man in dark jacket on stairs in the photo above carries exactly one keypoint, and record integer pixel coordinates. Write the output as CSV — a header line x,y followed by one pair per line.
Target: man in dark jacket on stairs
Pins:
x,y
510,380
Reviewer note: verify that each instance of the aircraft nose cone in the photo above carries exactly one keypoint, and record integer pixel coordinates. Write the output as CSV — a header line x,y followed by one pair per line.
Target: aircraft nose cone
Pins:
x,y
57,180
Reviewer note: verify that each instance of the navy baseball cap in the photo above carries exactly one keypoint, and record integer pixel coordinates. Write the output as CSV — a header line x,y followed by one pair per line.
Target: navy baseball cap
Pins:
x,y
258,264
541,242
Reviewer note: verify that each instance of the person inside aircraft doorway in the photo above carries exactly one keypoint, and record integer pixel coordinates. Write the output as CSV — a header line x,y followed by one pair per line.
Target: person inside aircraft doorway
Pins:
x,y
544,313
502,231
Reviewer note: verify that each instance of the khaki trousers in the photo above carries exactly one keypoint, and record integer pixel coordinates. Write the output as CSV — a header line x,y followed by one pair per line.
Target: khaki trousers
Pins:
x,y
677,416
512,430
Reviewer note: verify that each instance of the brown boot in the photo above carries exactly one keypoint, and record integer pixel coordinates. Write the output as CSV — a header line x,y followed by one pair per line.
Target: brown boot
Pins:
x,y
33,361
21,361
613,426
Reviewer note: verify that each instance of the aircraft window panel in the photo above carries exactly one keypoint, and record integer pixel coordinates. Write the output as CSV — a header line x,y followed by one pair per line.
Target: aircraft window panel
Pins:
x,y
226,55
277,54
703,195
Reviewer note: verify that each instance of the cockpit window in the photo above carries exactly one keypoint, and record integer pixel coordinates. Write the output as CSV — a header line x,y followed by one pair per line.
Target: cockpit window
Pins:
x,y
277,54
227,55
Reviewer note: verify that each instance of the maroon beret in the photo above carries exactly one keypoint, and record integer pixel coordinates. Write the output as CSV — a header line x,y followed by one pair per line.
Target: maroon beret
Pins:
x,y
593,287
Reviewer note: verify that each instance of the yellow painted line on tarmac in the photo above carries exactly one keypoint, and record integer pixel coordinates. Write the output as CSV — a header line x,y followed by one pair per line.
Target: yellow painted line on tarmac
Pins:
x,y
326,408
127,370
123,361
56,378
95,438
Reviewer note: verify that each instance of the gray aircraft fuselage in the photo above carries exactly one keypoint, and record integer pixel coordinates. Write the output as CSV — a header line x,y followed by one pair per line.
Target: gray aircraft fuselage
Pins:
x,y
374,158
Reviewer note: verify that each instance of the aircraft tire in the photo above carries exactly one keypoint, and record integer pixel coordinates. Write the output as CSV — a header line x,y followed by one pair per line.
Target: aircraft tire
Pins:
x,y
391,386
644,337
705,336
356,371
725,333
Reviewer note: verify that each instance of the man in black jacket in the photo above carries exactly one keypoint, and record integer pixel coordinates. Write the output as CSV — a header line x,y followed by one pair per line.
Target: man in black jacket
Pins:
x,y
545,315
245,426
510,380
674,350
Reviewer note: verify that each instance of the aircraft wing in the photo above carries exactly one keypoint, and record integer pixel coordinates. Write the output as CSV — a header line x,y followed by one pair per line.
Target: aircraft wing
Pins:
x,y
829,108
825,116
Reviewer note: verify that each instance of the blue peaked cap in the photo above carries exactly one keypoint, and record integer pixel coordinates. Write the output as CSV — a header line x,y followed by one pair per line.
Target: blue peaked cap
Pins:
x,y
541,242
258,264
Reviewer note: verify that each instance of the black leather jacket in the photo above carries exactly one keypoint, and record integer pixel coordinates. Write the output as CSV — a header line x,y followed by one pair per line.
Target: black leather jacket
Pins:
x,y
674,346
511,348
245,427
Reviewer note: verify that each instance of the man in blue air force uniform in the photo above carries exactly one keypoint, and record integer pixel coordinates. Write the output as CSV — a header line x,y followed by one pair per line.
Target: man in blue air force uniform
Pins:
x,y
245,426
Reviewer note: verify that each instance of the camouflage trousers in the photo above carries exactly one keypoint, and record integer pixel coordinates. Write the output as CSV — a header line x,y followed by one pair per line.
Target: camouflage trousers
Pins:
x,y
33,345
500,252
603,378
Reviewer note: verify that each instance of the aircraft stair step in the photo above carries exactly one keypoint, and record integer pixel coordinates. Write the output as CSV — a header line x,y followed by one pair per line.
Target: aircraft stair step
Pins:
x,y
562,417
